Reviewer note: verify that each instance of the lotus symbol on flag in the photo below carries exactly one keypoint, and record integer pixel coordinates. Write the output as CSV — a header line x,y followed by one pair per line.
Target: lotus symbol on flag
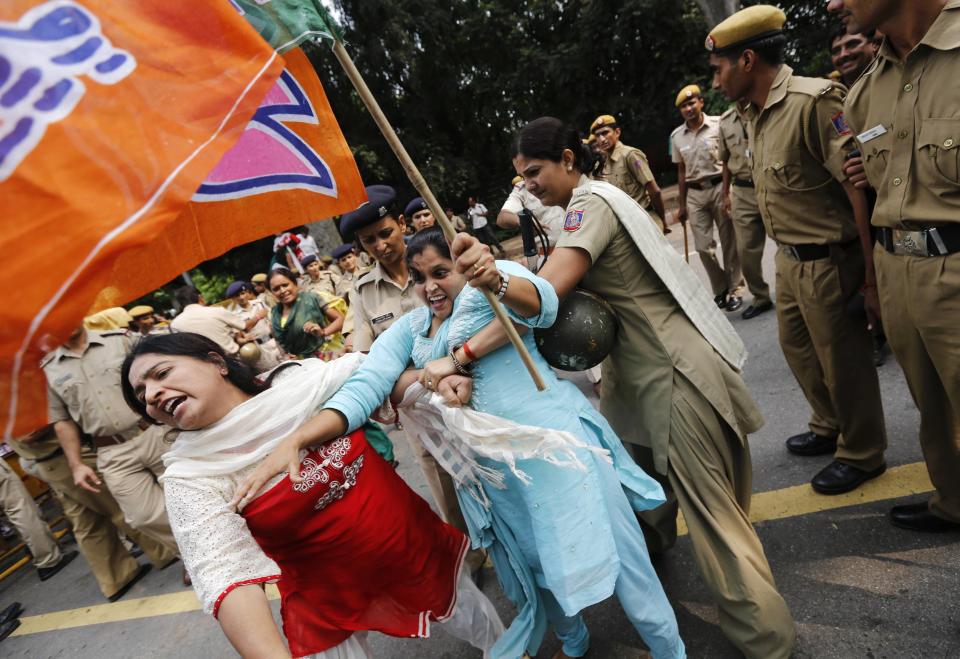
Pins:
x,y
270,156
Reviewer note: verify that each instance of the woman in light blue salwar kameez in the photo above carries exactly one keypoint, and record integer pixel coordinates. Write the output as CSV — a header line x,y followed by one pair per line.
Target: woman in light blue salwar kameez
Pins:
x,y
566,540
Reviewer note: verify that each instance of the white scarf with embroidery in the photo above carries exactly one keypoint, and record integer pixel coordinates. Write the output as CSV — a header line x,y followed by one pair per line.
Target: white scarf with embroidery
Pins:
x,y
254,428
679,278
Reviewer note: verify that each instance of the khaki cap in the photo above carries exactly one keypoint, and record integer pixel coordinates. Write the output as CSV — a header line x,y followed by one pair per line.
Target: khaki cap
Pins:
x,y
141,310
258,278
746,26
603,120
687,93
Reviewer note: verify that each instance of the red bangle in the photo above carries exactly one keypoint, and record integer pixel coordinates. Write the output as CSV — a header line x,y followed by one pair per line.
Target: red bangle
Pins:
x,y
468,352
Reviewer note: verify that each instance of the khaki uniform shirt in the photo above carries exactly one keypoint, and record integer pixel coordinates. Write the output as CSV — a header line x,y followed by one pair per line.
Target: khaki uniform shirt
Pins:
x,y
268,299
86,387
800,142
348,281
215,323
628,169
734,147
377,303
326,283
698,150
654,337
906,115
43,445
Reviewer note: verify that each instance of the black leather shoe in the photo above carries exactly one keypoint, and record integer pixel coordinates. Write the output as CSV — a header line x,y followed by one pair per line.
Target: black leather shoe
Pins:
x,y
721,300
839,477
810,443
47,572
917,517
12,612
755,310
8,628
136,577
734,303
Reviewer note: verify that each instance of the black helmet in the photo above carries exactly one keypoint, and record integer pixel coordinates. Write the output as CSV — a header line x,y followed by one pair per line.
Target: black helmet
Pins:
x,y
583,335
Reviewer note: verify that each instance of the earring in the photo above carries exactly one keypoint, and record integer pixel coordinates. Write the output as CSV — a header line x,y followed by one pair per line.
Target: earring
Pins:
x,y
223,371
569,168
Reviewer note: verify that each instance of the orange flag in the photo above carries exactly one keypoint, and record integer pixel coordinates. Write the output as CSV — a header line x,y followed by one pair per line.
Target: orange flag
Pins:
x,y
112,114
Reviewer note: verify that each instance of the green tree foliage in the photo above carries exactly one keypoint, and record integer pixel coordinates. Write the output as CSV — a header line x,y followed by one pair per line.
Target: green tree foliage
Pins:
x,y
457,79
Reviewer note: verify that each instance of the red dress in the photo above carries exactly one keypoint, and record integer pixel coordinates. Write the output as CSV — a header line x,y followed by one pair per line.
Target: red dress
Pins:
x,y
357,549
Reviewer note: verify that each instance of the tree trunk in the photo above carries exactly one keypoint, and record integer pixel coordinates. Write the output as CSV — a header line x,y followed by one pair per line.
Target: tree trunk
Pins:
x,y
715,11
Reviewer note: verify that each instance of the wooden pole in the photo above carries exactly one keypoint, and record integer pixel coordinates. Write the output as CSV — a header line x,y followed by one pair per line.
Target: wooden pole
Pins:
x,y
686,245
421,185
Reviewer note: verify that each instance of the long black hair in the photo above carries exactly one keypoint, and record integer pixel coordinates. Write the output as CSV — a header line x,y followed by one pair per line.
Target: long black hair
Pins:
x,y
546,138
195,346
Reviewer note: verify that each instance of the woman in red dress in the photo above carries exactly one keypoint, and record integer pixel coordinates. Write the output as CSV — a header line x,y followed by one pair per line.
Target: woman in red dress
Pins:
x,y
351,547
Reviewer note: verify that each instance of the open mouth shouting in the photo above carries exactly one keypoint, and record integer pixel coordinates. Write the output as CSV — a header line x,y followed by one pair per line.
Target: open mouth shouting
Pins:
x,y
171,405
437,300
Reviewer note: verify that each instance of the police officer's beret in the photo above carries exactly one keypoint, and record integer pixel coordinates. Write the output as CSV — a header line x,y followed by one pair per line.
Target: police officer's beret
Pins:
x,y
308,259
259,278
236,288
745,27
416,205
341,251
688,92
603,120
140,310
379,205
516,179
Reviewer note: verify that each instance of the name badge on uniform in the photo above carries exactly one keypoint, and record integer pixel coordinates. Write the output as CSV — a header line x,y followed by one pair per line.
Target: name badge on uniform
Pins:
x,y
382,319
573,220
868,135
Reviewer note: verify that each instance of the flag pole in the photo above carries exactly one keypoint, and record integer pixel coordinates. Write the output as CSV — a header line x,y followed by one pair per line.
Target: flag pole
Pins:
x,y
421,185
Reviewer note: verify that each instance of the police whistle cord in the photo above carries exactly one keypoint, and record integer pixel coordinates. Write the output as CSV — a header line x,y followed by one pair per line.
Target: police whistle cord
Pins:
x,y
386,129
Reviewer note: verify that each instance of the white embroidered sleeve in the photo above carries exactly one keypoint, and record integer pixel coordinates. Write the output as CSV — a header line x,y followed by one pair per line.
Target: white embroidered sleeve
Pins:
x,y
215,543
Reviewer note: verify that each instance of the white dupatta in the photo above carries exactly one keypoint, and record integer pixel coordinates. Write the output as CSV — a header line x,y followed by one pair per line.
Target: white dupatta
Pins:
x,y
454,436
251,430
678,276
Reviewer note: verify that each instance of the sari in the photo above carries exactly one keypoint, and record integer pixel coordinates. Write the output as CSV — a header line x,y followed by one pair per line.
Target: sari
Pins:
x,y
308,307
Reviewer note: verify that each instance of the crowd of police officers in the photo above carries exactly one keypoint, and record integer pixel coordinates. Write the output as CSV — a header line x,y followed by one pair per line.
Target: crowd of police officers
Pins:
x,y
855,177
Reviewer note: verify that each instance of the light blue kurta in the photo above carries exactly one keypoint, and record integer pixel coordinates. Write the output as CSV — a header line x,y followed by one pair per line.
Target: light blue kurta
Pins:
x,y
561,543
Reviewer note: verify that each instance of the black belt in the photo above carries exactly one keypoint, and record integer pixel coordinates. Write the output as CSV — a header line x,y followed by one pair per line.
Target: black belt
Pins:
x,y
813,252
703,184
53,455
934,241
742,182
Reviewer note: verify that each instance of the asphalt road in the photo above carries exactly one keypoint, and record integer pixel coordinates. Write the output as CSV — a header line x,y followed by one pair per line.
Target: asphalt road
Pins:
x,y
857,586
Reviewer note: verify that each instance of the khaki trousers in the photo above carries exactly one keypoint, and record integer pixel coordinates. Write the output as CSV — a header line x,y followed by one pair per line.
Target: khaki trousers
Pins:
x,y
751,239
920,303
130,470
23,513
704,211
97,522
709,477
445,495
831,352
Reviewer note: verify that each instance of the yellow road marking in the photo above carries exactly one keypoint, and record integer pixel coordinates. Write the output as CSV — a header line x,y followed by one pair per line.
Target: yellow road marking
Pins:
x,y
145,607
897,482
776,504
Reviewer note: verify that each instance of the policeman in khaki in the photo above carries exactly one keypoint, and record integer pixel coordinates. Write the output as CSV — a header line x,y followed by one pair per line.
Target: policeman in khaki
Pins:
x,y
799,141
627,168
740,203
96,518
695,147
904,112
84,398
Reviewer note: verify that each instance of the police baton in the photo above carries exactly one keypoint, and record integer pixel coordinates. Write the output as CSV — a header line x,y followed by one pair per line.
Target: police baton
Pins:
x,y
529,239
686,243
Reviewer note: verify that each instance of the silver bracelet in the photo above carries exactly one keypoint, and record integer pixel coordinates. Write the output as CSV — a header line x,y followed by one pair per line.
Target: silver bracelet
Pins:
x,y
457,364
504,282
